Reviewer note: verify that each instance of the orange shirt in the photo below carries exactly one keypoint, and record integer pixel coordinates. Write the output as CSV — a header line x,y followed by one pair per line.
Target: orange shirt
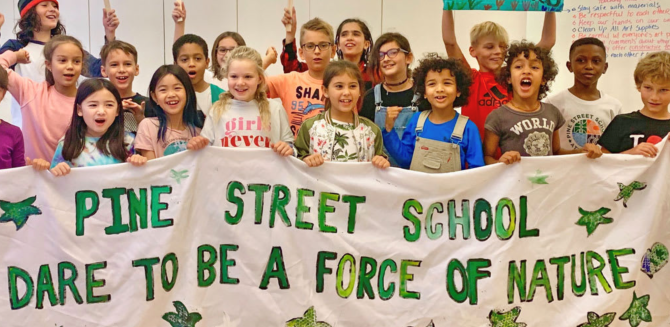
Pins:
x,y
300,94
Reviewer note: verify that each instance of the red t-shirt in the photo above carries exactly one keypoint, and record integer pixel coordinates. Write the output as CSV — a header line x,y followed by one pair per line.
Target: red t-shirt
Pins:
x,y
486,95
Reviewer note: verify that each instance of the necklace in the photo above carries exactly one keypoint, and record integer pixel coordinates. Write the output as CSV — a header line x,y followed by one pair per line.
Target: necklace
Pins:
x,y
397,84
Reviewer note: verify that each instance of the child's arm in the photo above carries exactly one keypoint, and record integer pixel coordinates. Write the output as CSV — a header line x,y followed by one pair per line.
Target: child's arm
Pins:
x,y
137,160
18,151
645,149
23,89
111,22
289,56
449,37
548,39
270,57
148,154
179,17
284,146
474,153
491,142
400,150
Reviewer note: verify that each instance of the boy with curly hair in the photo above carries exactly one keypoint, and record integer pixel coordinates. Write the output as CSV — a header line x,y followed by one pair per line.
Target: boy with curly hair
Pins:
x,y
429,135
525,126
638,132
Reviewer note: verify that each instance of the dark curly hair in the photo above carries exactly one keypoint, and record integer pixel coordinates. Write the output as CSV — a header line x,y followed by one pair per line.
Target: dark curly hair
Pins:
x,y
433,62
29,23
549,67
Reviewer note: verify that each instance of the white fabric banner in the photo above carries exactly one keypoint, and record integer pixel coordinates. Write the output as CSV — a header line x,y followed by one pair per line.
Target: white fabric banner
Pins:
x,y
247,238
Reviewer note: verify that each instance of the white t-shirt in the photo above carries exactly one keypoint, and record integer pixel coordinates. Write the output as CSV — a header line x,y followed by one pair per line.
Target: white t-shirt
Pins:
x,y
585,121
204,100
240,126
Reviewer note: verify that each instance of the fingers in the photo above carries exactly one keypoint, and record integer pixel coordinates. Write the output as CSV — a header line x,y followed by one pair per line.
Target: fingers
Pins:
x,y
282,148
648,150
380,162
61,169
592,151
314,160
137,160
197,143
38,164
510,157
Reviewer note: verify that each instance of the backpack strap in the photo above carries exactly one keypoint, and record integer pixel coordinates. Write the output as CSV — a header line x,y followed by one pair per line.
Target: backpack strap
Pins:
x,y
416,99
422,121
459,129
378,95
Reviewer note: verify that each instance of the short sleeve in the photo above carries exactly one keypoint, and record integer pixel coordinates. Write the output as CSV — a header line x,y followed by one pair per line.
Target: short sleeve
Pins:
x,y
58,156
493,122
610,139
474,154
275,84
208,129
146,135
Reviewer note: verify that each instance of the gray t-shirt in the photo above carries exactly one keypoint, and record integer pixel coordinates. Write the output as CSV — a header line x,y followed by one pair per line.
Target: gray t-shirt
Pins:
x,y
529,133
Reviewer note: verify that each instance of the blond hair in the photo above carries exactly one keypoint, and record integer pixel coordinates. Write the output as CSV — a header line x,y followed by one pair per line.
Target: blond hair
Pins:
x,y
655,66
220,107
317,25
488,29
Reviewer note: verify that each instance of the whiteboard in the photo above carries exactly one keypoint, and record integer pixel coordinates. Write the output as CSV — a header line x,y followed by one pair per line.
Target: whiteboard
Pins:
x,y
629,28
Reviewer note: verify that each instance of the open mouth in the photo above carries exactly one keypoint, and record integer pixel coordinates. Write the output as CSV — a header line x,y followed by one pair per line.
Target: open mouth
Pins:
x,y
122,79
192,73
440,98
345,101
100,121
526,83
388,65
241,90
172,102
52,17
68,76
349,45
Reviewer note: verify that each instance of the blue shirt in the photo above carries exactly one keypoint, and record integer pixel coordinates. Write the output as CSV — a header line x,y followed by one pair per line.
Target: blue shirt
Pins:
x,y
91,155
403,150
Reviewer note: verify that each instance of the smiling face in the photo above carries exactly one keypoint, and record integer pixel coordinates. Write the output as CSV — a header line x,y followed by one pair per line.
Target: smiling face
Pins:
x,y
316,59
66,64
343,93
352,40
441,90
170,95
655,96
243,79
48,14
396,66
490,53
193,60
526,76
588,63
223,49
121,70
99,110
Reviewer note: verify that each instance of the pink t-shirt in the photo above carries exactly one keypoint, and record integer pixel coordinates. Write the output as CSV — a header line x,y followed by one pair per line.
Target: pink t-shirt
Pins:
x,y
300,94
175,141
46,112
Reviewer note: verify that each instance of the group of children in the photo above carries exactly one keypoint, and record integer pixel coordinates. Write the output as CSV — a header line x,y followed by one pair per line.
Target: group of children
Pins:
x,y
366,106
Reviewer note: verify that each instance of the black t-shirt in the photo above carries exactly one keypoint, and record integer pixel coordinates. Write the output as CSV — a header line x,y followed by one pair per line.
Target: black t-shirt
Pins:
x,y
389,99
628,130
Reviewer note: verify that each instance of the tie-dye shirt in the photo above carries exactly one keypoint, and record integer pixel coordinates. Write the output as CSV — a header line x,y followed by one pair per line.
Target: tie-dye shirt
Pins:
x,y
92,156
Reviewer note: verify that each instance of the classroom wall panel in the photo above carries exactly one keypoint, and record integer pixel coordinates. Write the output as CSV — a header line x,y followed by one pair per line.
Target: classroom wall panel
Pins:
x,y
207,19
420,23
74,16
334,12
271,32
148,39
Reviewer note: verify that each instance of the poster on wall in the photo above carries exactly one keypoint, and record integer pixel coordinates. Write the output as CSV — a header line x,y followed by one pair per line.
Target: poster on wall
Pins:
x,y
505,5
238,237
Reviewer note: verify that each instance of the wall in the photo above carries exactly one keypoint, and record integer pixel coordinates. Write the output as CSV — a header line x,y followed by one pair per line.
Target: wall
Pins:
x,y
148,24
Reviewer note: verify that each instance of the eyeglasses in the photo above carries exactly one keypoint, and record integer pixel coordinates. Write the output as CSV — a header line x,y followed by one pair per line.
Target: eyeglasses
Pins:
x,y
391,53
223,50
322,46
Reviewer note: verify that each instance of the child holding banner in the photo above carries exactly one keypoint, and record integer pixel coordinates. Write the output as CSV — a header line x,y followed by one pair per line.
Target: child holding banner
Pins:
x,y
525,126
488,44
46,106
176,122
38,24
244,117
637,132
438,140
96,134
11,138
339,134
